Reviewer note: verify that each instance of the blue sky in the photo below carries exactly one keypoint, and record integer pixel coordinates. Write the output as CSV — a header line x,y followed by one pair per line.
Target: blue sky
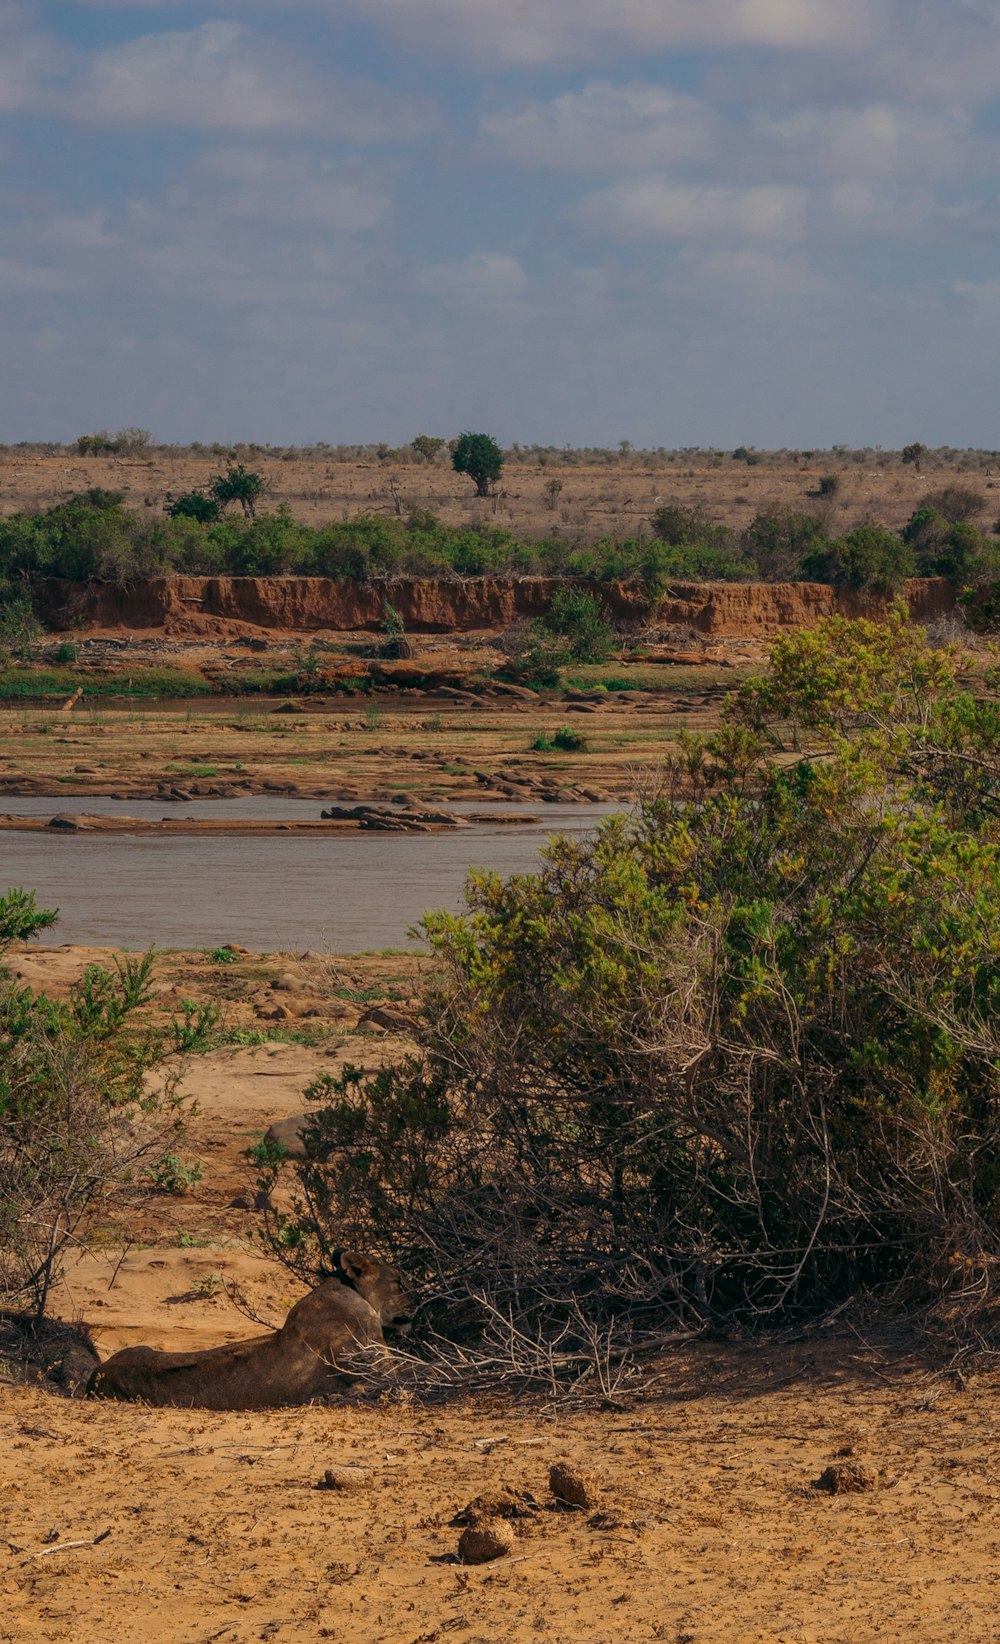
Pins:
x,y
679,222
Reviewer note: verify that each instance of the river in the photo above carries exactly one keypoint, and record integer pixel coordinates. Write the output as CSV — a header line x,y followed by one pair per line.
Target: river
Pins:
x,y
340,894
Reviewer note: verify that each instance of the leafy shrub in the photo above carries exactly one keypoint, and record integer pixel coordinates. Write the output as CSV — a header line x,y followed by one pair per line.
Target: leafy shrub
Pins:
x,y
19,627
174,1175
780,541
683,527
534,656
78,1112
427,446
738,1056
576,615
193,505
870,556
565,740
238,484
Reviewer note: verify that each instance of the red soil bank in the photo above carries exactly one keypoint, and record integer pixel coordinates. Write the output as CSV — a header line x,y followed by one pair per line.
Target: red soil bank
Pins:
x,y
230,605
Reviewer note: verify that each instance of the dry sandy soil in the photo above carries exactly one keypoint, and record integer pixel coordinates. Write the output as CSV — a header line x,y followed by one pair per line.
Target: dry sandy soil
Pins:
x,y
426,751
709,1529
594,499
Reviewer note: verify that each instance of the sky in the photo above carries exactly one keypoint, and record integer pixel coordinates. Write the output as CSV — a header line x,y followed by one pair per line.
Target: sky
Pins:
x,y
677,222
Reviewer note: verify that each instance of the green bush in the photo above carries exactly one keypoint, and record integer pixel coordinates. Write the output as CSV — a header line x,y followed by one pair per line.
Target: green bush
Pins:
x,y
80,1109
737,1057
868,557
535,657
576,616
564,740
780,542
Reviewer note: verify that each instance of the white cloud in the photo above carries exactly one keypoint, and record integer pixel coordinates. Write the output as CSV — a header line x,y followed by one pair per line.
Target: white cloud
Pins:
x,y
604,127
879,140
542,31
758,275
653,208
981,293
18,276
28,59
488,276
221,75
261,187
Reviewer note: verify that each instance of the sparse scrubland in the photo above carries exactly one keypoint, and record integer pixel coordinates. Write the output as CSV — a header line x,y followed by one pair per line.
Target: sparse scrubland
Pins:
x,y
94,535
680,1137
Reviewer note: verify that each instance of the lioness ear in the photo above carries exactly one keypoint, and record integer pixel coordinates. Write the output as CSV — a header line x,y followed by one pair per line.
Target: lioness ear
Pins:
x,y
352,1265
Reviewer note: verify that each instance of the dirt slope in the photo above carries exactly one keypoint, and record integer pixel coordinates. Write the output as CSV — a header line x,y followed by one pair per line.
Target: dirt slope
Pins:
x,y
189,605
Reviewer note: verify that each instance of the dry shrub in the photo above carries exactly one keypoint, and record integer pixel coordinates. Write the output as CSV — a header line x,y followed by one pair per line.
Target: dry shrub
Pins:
x,y
736,1057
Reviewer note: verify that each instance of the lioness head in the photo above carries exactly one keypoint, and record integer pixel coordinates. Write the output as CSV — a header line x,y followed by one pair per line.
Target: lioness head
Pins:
x,y
382,1286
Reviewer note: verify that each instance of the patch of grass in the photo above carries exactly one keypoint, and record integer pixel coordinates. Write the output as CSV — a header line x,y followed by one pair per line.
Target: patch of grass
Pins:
x,y
249,1038
17,684
223,956
564,739
174,1175
370,995
261,682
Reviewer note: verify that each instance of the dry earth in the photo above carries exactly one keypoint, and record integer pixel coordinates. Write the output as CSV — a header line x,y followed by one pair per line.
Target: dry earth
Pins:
x,y
426,750
208,1528
594,499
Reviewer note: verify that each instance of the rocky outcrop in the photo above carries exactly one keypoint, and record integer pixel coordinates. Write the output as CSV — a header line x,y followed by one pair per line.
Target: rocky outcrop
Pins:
x,y
233,606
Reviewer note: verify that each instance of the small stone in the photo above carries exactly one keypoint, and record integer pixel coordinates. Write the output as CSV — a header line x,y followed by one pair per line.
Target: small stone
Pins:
x,y
481,1543
346,1478
571,1488
848,1478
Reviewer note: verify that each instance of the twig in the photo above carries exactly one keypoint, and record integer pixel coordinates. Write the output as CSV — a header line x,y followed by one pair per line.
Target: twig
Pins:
x,y
67,1547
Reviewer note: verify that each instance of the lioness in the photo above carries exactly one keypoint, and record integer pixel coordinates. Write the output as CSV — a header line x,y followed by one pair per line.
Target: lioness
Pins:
x,y
309,1356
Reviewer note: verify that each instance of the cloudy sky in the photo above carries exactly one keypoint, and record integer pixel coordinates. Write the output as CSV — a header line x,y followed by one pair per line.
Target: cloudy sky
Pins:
x,y
679,222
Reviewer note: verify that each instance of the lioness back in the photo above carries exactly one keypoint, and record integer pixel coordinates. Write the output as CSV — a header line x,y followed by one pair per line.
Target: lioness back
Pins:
x,y
322,1346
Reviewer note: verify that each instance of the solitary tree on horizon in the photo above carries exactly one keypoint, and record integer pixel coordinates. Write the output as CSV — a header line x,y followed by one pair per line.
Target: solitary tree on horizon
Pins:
x,y
479,456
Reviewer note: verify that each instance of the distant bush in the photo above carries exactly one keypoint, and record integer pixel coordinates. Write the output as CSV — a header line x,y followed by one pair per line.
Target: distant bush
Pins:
x,y
779,541
682,527
126,442
870,556
193,505
577,616
534,655
563,740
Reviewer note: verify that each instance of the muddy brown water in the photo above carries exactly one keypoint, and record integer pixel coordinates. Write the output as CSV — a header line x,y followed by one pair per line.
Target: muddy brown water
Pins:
x,y
344,894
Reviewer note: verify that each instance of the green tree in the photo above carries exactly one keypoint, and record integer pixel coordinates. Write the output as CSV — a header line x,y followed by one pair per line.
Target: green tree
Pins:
x,y
239,484
479,456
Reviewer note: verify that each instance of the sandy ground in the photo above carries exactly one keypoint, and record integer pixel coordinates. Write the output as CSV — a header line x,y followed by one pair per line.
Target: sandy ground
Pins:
x,y
559,498
711,1527
432,752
